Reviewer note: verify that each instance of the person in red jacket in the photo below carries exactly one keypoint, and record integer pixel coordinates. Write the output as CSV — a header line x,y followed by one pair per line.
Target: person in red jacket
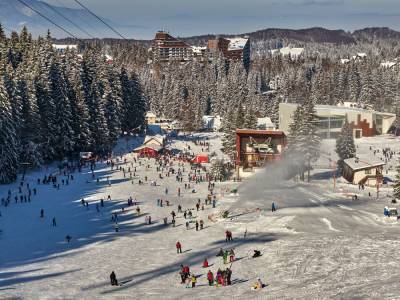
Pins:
x,y
205,263
178,247
210,278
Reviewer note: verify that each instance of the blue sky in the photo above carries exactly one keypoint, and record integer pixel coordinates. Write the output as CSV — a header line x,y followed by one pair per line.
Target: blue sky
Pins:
x,y
141,18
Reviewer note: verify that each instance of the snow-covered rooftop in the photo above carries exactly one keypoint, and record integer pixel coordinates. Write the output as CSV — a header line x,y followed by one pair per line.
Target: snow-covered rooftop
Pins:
x,y
343,109
149,114
360,163
63,47
265,122
237,43
198,49
294,52
388,64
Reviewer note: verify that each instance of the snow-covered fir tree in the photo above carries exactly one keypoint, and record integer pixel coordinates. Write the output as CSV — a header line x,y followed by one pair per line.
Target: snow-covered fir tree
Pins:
x,y
396,185
345,147
8,140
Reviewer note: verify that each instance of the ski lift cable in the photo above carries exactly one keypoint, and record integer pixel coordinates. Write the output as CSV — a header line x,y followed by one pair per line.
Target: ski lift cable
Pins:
x,y
100,19
70,21
48,19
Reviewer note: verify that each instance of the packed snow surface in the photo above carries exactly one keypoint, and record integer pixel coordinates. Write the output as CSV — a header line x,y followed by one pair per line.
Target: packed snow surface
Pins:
x,y
319,244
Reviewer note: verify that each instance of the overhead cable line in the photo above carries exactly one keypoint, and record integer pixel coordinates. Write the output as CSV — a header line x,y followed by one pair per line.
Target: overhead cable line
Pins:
x,y
101,20
69,20
51,21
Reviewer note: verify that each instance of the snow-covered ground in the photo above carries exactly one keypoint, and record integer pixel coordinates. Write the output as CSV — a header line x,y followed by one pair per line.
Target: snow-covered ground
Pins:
x,y
319,244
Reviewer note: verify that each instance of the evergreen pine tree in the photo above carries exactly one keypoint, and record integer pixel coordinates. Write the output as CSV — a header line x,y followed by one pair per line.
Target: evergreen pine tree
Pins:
x,y
345,147
8,140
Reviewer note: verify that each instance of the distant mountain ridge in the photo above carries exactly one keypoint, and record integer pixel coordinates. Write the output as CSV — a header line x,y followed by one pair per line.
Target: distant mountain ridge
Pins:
x,y
315,34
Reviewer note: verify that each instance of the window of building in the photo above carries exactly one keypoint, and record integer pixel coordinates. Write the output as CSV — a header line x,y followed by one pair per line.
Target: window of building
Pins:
x,y
368,171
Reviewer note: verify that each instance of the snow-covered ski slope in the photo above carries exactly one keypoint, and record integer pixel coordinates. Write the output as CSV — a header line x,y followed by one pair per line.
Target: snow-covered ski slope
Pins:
x,y
319,244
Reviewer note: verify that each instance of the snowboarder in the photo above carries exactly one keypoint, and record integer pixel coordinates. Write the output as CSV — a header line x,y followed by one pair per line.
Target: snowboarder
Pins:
x,y
113,278
178,247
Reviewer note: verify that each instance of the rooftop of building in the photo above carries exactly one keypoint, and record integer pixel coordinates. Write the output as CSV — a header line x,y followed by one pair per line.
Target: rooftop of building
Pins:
x,y
343,108
63,47
237,43
361,163
260,132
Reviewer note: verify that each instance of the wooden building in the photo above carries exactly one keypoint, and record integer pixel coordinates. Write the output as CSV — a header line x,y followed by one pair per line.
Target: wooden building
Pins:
x,y
363,171
255,148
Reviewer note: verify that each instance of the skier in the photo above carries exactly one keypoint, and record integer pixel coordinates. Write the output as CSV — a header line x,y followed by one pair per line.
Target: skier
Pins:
x,y
54,224
179,208
257,253
228,273
221,252
173,215
273,207
205,263
257,285
68,238
197,226
178,247
138,210
201,224
210,278
231,256
42,213
187,226
113,278
225,257
182,273
194,280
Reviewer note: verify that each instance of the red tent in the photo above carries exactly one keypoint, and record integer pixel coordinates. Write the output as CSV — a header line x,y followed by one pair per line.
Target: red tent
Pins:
x,y
200,158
